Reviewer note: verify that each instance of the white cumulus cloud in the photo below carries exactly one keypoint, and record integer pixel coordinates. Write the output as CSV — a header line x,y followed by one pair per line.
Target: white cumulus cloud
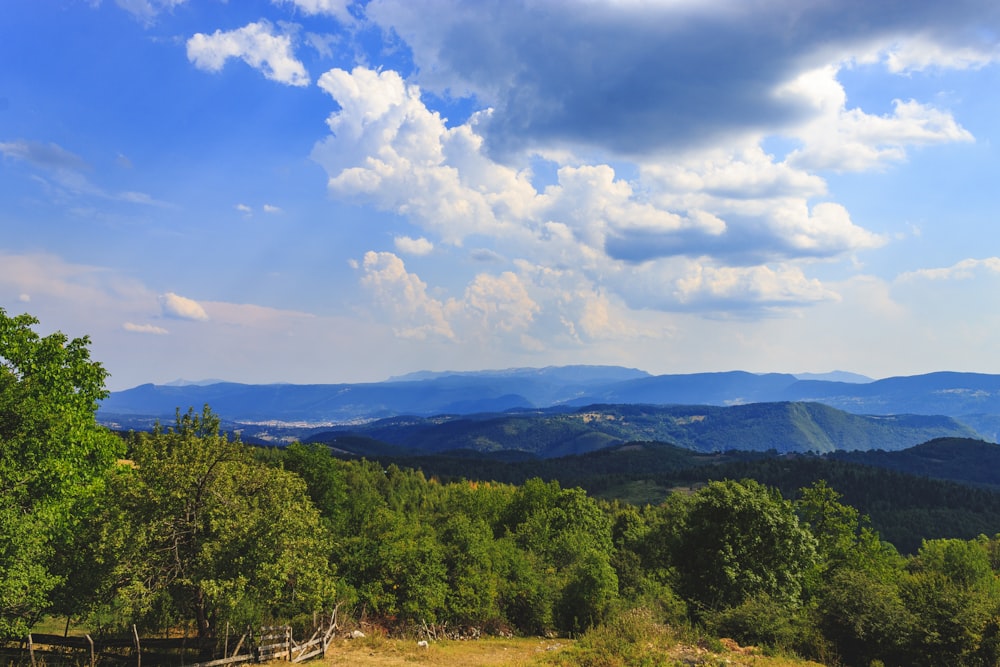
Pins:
x,y
726,210
914,54
414,313
257,44
845,139
179,307
499,303
410,246
490,307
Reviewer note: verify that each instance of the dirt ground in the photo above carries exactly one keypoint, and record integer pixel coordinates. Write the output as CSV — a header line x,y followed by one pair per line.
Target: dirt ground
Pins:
x,y
518,652
480,653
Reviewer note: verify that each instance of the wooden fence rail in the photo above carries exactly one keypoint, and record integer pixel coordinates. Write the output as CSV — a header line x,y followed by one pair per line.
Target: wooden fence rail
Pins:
x,y
270,643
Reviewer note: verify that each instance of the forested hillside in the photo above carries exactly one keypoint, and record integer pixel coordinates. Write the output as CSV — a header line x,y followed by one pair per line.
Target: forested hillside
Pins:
x,y
185,527
783,427
908,496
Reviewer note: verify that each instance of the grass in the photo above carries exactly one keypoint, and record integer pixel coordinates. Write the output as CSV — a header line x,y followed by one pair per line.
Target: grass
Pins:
x,y
381,652
631,640
56,625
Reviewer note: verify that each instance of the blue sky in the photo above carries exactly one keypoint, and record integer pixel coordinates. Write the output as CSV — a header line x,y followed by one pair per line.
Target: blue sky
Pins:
x,y
320,191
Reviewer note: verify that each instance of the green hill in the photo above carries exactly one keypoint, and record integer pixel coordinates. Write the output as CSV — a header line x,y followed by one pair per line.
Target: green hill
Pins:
x,y
784,427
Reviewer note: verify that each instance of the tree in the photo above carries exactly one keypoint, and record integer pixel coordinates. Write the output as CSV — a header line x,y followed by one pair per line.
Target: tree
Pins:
x,y
864,616
571,535
324,480
844,538
471,563
200,531
53,456
396,564
954,596
738,541
856,582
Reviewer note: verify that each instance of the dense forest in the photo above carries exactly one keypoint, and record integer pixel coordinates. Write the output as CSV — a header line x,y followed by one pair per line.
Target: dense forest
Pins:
x,y
895,490
187,526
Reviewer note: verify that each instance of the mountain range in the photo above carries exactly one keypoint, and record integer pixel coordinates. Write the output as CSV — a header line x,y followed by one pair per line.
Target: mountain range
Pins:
x,y
515,396
426,394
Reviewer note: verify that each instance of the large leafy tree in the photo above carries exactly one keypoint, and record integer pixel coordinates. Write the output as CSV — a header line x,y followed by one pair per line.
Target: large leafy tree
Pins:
x,y
954,595
856,582
53,456
740,541
570,536
199,531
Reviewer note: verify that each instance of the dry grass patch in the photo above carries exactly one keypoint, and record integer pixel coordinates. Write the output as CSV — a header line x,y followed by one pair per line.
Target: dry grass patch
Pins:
x,y
535,652
381,652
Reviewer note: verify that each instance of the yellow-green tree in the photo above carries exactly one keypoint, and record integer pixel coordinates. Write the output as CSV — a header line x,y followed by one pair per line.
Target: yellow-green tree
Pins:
x,y
199,531
53,456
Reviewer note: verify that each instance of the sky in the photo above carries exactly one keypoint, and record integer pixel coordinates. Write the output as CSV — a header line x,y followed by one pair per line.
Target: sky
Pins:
x,y
326,191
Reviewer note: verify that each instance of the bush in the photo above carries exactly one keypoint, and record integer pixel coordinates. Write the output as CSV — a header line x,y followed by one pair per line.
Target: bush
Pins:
x,y
630,638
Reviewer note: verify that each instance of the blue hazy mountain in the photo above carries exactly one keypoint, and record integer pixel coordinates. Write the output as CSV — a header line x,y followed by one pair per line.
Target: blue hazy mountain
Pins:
x,y
836,376
418,394
971,398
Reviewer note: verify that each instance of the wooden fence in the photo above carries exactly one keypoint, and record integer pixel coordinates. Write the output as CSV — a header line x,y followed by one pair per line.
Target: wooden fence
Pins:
x,y
270,643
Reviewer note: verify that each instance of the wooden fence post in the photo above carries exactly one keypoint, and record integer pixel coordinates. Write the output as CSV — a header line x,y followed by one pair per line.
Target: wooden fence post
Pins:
x,y
93,659
31,650
138,648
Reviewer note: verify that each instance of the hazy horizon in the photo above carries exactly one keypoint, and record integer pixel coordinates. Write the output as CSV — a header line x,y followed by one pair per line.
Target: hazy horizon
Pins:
x,y
834,375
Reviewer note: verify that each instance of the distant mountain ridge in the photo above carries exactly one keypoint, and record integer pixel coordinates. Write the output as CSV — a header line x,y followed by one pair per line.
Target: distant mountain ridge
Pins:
x,y
556,432
972,398
836,376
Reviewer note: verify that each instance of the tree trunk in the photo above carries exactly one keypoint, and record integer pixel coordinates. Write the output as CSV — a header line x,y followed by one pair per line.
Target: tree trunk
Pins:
x,y
203,627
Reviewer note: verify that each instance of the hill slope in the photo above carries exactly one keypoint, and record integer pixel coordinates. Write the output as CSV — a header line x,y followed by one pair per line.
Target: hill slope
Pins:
x,y
905,505
784,427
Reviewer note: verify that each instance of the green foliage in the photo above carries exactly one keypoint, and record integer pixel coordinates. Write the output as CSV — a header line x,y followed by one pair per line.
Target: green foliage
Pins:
x,y
844,538
52,459
472,563
397,567
864,617
198,531
527,590
955,598
904,509
741,540
324,480
633,638
572,535
760,620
